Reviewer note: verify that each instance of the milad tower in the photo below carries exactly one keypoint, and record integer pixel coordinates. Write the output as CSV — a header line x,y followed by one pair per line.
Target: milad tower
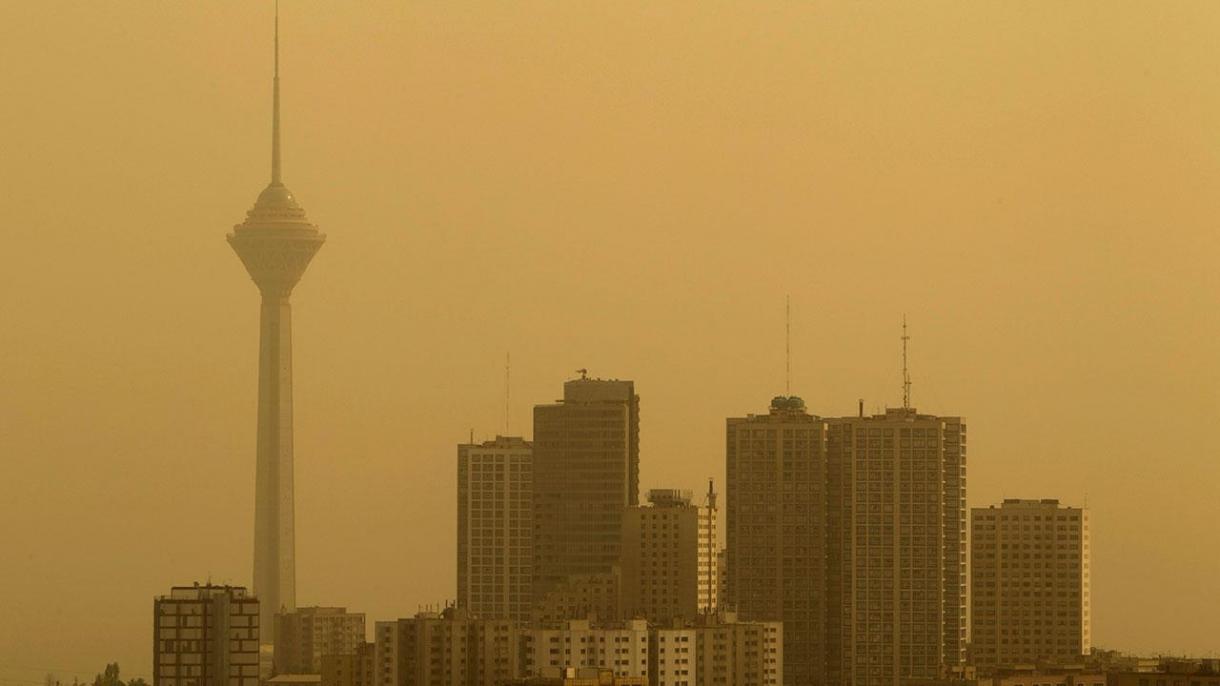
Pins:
x,y
275,243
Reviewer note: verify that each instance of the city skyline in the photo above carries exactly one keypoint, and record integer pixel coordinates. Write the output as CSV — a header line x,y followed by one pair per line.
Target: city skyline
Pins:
x,y
1033,291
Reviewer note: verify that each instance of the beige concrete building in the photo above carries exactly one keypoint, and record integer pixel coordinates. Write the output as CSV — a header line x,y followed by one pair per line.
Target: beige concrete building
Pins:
x,y
304,636
669,562
446,648
586,473
673,656
495,528
206,636
733,653
1030,568
619,647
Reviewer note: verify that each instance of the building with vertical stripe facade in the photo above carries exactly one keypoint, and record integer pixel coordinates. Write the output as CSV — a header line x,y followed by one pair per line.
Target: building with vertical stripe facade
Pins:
x,y
495,528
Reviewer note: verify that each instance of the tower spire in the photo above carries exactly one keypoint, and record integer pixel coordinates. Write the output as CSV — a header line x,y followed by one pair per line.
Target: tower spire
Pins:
x,y
275,104
906,374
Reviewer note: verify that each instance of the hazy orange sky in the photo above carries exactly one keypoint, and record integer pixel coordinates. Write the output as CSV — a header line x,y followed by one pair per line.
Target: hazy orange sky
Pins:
x,y
631,187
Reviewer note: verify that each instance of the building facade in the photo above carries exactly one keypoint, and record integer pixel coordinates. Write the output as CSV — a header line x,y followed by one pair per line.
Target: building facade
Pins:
x,y
670,561
306,635
621,648
896,550
775,525
673,656
356,669
495,528
577,677
1030,568
206,636
447,648
595,597
586,474
735,653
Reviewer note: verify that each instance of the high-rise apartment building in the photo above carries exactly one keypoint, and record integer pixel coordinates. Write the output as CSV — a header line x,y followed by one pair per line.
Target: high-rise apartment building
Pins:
x,y
1030,599
722,581
851,531
621,647
495,542
446,648
586,473
669,562
776,500
306,635
896,550
206,636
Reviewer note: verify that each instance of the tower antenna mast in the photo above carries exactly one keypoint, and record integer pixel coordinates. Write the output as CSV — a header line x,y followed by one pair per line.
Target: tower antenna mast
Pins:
x,y
275,105
788,345
906,373
508,362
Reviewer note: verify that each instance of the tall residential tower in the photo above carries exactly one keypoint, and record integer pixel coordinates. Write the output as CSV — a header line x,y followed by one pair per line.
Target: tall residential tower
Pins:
x,y
776,468
851,531
275,243
586,474
1030,601
495,527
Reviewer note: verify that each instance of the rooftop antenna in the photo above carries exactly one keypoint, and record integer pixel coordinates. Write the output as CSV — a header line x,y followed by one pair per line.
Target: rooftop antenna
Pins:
x,y
584,374
906,373
508,363
275,104
788,345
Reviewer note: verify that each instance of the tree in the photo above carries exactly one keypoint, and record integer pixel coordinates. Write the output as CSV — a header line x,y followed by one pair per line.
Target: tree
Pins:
x,y
110,677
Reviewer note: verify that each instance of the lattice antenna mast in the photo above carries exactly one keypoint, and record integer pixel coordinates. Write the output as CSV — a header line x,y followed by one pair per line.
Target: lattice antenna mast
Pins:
x,y
788,345
906,373
508,363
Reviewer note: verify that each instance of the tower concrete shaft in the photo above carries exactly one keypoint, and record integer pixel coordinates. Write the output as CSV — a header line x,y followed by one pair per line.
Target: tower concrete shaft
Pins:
x,y
275,243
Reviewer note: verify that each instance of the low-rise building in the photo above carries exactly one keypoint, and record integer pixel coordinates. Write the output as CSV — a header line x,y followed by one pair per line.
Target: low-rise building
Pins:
x,y
621,648
356,669
673,656
446,648
735,653
586,676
